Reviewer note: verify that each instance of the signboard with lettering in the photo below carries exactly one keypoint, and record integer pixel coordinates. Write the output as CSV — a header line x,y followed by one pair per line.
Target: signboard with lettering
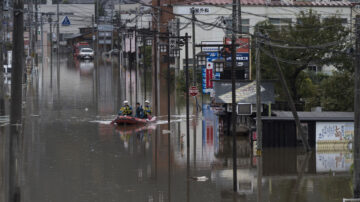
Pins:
x,y
242,45
199,10
334,131
242,55
208,70
245,92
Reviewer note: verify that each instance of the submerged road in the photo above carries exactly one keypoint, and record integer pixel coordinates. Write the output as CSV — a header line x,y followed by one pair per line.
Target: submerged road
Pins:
x,y
71,153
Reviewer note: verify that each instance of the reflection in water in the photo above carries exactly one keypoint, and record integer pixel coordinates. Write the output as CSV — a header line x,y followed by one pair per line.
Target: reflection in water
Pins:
x,y
71,153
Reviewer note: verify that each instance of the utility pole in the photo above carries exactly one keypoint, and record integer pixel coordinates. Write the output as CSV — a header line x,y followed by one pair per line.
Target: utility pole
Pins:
x,y
51,50
258,95
233,75
157,67
97,34
30,30
193,46
16,101
31,33
168,84
239,27
299,128
93,31
187,90
112,23
42,47
357,111
137,60
130,58
57,37
144,63
36,33
2,38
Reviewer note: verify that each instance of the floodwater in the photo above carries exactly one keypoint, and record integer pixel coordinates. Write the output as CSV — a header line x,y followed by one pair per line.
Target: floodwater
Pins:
x,y
71,153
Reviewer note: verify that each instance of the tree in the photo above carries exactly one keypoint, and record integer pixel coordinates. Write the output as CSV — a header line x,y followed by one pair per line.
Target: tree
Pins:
x,y
327,40
337,92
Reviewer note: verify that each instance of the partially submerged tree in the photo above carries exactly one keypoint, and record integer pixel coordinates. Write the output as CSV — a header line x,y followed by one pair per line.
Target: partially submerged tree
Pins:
x,y
310,41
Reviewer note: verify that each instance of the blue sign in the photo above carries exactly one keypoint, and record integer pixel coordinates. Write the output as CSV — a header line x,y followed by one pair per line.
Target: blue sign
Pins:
x,y
66,21
217,75
240,57
203,71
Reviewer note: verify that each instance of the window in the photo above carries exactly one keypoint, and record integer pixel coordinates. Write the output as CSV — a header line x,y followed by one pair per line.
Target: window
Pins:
x,y
280,22
314,68
245,26
334,20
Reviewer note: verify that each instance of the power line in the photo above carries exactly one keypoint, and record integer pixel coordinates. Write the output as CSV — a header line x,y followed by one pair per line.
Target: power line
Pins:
x,y
200,21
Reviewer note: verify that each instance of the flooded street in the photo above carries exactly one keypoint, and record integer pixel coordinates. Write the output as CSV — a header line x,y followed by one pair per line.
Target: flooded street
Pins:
x,y
71,152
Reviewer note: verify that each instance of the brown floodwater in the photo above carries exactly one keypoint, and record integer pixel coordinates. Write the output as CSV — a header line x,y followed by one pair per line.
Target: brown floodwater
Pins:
x,y
71,153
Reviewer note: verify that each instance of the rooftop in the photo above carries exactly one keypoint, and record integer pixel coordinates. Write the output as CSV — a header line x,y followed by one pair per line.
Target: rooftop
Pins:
x,y
343,3
312,116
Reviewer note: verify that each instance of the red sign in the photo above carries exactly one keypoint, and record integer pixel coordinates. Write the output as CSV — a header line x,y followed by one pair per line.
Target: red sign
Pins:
x,y
209,77
193,91
242,45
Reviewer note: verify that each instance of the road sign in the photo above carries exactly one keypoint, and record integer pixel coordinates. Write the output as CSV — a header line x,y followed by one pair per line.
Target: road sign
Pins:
x,y
193,91
66,21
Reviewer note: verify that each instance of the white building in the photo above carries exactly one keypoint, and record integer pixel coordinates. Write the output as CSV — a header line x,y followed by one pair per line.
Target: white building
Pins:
x,y
79,15
135,14
253,11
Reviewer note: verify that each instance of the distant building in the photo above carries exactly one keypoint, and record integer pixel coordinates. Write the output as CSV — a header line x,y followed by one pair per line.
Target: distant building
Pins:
x,y
279,13
79,15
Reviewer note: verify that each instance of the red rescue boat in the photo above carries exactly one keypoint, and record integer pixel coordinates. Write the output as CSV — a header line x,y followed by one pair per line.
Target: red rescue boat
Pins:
x,y
132,120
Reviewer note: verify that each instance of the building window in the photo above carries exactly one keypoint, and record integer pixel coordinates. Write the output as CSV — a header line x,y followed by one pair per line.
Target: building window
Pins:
x,y
343,21
245,26
280,22
314,68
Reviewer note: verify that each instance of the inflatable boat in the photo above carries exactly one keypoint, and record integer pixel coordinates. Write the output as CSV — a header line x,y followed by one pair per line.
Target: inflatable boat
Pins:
x,y
134,129
121,120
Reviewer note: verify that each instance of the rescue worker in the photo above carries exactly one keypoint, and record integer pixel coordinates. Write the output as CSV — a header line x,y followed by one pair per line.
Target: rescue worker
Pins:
x,y
147,109
126,110
139,111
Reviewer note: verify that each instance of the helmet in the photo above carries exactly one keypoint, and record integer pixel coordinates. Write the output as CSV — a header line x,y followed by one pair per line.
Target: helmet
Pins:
x,y
147,101
126,102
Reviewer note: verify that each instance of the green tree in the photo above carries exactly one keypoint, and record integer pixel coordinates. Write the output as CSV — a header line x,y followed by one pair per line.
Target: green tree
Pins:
x,y
337,92
328,39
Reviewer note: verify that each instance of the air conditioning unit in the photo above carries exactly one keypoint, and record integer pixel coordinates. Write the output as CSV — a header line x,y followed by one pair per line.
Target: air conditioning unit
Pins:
x,y
244,109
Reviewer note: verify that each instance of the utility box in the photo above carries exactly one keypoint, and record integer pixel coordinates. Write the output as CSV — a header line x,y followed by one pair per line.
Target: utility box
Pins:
x,y
244,109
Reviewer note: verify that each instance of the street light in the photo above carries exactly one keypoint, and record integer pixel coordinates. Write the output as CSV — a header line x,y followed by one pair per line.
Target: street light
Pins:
x,y
148,42
201,58
163,47
219,65
175,52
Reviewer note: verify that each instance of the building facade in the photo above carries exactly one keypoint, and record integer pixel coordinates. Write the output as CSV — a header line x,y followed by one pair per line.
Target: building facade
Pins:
x,y
280,13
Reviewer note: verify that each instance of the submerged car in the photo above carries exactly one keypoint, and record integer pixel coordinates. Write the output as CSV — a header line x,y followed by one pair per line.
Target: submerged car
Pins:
x,y
86,53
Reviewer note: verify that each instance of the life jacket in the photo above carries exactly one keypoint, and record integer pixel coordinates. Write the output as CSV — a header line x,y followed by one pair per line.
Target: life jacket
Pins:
x,y
147,110
126,110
